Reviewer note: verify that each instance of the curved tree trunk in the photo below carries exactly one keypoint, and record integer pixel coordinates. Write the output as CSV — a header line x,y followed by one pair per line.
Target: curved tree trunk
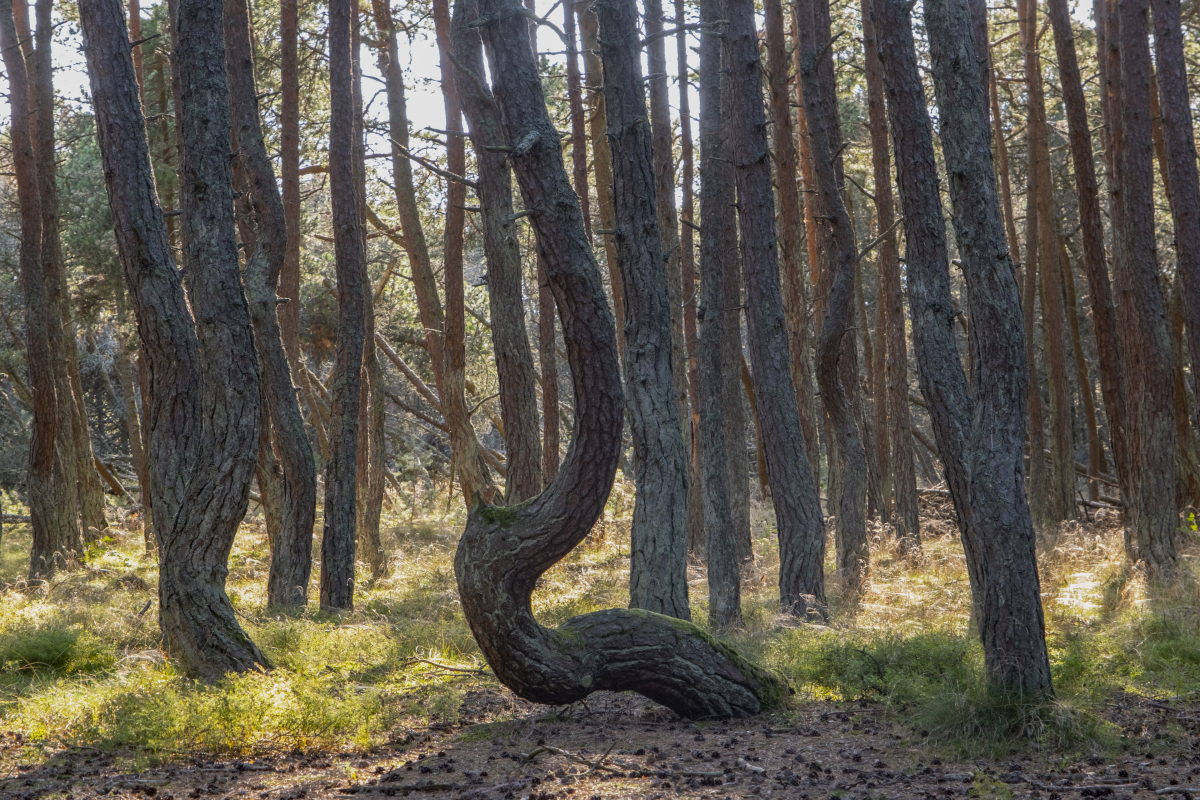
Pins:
x,y
291,547
504,550
206,402
980,436
658,567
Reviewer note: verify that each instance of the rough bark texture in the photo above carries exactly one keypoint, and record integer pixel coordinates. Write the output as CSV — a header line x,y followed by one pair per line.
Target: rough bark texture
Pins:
x,y
579,158
1104,314
794,494
205,395
338,539
980,434
510,342
52,507
137,442
791,227
504,550
291,546
658,536
718,240
548,361
894,426
1142,308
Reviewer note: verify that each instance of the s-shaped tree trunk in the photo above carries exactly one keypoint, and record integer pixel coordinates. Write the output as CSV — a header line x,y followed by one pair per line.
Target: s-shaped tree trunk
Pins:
x,y
505,549
205,395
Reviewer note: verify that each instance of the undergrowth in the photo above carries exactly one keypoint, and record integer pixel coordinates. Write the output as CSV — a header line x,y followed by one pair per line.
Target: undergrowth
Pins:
x,y
81,660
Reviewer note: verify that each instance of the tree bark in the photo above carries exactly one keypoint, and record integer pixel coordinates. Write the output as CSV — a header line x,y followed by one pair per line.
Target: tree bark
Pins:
x,y
895,425
205,401
291,547
52,506
1143,307
548,361
980,434
579,157
718,243
801,528
658,537
514,359
338,539
1083,373
837,327
505,549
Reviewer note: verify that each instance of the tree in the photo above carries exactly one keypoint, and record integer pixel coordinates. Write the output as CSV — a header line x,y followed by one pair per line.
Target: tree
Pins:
x,y
504,550
979,429
338,540
206,401
658,548
291,547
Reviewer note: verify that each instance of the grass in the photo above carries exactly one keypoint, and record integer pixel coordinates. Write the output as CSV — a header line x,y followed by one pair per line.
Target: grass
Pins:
x,y
81,659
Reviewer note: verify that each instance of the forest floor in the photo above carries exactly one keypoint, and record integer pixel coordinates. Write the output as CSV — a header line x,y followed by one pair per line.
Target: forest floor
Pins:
x,y
394,700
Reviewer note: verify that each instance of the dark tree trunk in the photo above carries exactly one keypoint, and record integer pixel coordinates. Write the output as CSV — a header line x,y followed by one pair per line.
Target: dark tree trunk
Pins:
x,y
289,169
514,359
205,399
291,547
504,550
793,491
889,311
1104,315
718,241
1143,307
52,507
980,435
548,361
338,540
791,224
579,157
658,561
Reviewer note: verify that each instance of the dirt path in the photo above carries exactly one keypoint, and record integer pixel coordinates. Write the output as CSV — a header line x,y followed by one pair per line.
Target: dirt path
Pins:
x,y
619,746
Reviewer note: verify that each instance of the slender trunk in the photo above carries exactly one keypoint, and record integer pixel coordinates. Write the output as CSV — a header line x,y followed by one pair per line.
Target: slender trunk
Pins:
x,y
658,537
794,494
1006,203
338,539
291,546
894,426
206,405
791,228
548,362
718,240
1143,307
1095,449
52,507
837,328
137,448
579,158
979,434
289,173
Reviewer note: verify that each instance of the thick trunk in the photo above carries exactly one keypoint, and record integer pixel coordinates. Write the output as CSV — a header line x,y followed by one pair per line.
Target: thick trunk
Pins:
x,y
837,327
718,240
658,536
510,342
1142,307
205,401
291,546
793,492
504,550
338,539
791,227
980,436
52,506
894,426
1104,315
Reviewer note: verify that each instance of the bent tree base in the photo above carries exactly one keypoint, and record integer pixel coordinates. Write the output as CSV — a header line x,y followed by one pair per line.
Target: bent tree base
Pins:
x,y
505,549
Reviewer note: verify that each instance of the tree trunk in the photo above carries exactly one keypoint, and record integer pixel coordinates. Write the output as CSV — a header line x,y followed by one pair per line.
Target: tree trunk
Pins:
x,y
837,327
980,435
1006,203
1095,449
791,224
579,157
548,361
338,539
52,507
658,546
289,169
291,547
1143,307
894,426
718,243
505,549
1104,315
137,442
206,402
793,492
